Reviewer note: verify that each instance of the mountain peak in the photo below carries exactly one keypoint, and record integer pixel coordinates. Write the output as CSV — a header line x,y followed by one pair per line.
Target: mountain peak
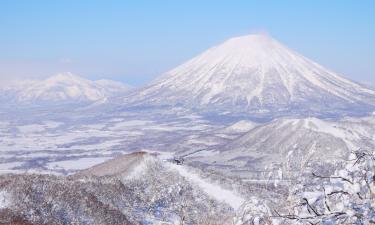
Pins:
x,y
259,38
255,51
64,77
252,42
256,74
69,88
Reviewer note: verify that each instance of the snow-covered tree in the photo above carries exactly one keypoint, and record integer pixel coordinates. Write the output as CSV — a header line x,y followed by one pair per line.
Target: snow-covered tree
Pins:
x,y
344,197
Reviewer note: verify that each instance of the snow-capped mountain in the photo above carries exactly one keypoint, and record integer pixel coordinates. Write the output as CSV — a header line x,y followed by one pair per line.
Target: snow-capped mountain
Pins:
x,y
292,143
113,87
9,91
256,74
65,88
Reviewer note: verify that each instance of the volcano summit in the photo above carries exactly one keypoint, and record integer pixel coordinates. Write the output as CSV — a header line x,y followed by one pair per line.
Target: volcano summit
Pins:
x,y
256,75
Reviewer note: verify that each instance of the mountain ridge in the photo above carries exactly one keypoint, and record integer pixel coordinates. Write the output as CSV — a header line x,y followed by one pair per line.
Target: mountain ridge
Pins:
x,y
63,88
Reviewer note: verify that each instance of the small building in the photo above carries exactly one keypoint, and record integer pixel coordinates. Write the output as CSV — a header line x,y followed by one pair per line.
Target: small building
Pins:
x,y
178,160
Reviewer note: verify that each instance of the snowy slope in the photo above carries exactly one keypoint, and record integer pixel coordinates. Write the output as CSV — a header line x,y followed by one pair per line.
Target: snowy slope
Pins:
x,y
135,166
63,88
240,126
255,73
213,190
113,87
291,144
122,165
135,190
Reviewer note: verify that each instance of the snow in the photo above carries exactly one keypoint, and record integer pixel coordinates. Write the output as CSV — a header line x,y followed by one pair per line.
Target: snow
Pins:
x,y
52,124
168,127
62,87
77,164
112,87
213,190
4,199
6,167
140,169
37,128
31,128
67,87
204,153
332,129
241,126
4,124
131,123
164,156
312,197
253,210
325,127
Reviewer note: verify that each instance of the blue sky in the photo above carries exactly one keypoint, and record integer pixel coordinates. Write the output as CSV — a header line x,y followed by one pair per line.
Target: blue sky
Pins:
x,y
135,41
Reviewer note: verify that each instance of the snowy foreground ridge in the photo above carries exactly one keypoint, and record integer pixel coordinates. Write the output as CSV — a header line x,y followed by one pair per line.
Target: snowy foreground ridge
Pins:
x,y
247,133
141,188
132,189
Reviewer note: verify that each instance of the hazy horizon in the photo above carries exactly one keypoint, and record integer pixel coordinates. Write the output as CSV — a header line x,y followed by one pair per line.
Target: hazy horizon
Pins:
x,y
136,42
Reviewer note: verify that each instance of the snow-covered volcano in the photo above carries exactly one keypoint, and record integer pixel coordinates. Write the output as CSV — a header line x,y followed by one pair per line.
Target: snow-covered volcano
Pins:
x,y
256,74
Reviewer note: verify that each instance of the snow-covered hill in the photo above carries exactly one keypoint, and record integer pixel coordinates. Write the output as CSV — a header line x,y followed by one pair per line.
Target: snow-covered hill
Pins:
x,y
289,144
133,189
256,74
62,88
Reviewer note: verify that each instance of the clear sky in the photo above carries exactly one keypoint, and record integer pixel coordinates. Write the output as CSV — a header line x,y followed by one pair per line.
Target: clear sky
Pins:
x,y
135,41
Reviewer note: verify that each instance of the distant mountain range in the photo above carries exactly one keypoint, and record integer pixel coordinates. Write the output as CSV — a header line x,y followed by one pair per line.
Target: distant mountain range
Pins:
x,y
256,75
63,88
252,76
